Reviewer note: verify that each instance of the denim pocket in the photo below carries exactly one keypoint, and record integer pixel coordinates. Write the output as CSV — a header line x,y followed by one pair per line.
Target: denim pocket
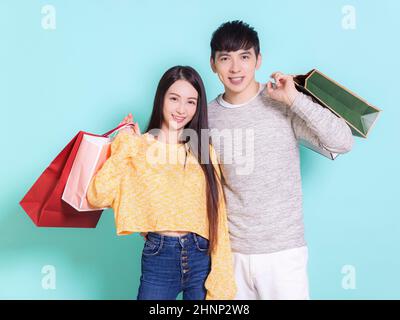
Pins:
x,y
151,247
201,243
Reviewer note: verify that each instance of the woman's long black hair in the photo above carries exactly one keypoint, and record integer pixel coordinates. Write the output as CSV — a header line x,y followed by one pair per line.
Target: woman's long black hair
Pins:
x,y
199,147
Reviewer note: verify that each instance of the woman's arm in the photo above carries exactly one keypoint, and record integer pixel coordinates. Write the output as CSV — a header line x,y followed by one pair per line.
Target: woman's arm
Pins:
x,y
220,283
104,186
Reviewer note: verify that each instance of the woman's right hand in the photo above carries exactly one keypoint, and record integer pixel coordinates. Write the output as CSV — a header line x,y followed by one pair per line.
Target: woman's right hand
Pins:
x,y
129,120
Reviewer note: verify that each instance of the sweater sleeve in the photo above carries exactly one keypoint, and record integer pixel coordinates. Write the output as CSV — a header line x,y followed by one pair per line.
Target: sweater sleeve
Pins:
x,y
220,283
320,126
104,186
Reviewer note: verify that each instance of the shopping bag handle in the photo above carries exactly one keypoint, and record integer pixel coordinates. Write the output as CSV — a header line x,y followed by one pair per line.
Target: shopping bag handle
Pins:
x,y
121,126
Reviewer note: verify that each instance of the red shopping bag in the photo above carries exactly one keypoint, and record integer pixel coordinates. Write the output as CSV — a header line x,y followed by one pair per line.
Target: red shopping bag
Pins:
x,y
43,202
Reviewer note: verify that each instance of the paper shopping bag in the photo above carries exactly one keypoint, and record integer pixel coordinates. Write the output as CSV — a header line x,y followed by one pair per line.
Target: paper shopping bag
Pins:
x,y
329,154
43,202
93,151
358,113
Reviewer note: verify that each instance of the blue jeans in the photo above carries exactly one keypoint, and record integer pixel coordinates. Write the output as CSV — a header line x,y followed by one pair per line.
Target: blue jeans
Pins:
x,y
174,264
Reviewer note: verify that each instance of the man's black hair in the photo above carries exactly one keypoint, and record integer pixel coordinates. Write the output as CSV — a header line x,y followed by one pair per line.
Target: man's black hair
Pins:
x,y
233,36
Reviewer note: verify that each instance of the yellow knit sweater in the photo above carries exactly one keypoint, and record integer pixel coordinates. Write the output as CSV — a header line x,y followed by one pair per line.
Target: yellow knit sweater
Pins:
x,y
149,188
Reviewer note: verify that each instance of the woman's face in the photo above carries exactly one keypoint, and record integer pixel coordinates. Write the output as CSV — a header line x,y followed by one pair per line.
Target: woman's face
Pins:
x,y
180,103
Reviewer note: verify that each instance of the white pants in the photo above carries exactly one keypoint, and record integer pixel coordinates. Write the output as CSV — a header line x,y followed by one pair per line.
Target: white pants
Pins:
x,y
274,276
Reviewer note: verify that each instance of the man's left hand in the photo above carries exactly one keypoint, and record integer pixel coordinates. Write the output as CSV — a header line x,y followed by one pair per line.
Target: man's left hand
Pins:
x,y
284,89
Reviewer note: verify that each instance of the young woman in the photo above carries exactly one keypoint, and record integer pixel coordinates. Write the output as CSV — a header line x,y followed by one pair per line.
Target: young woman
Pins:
x,y
167,183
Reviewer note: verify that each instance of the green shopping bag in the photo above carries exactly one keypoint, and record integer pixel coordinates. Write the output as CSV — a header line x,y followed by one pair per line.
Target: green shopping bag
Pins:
x,y
358,113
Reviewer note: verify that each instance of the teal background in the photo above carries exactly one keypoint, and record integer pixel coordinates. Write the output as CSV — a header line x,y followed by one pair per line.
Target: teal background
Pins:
x,y
104,60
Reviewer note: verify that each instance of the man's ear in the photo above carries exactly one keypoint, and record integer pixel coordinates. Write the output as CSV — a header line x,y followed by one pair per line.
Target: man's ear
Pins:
x,y
259,61
212,64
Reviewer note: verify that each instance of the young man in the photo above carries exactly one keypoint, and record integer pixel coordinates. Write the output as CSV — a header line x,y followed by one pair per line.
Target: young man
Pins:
x,y
255,129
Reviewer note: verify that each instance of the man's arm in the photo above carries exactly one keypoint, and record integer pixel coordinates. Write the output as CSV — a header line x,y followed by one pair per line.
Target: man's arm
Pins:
x,y
319,126
311,121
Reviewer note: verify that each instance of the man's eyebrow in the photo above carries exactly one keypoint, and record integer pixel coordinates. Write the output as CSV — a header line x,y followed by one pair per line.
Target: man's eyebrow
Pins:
x,y
223,53
226,53
246,52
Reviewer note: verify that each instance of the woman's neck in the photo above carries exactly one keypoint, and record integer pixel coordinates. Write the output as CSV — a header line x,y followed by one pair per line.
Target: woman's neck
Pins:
x,y
169,136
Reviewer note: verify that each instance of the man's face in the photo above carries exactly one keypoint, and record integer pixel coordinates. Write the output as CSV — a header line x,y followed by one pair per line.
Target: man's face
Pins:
x,y
236,69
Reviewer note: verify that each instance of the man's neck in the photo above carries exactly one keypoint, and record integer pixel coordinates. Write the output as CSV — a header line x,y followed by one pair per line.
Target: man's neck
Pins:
x,y
244,96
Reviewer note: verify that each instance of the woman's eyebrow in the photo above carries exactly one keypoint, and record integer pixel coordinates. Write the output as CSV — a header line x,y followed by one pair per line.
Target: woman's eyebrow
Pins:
x,y
175,94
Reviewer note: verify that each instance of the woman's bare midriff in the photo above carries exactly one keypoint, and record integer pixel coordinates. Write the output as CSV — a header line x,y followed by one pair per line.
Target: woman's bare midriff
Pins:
x,y
173,233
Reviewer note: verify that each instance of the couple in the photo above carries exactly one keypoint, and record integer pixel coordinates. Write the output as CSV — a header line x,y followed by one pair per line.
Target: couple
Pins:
x,y
216,190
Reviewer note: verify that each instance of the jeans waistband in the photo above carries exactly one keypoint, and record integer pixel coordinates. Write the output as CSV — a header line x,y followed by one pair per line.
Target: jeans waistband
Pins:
x,y
188,238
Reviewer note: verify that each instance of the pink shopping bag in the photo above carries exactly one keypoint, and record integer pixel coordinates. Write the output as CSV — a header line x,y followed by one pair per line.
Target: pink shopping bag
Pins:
x,y
93,151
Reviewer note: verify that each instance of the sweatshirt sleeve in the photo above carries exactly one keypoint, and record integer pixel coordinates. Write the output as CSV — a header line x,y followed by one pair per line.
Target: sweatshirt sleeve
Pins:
x,y
320,126
220,283
104,186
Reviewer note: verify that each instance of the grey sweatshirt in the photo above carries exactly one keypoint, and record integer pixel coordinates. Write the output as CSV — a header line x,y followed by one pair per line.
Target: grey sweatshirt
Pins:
x,y
257,145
